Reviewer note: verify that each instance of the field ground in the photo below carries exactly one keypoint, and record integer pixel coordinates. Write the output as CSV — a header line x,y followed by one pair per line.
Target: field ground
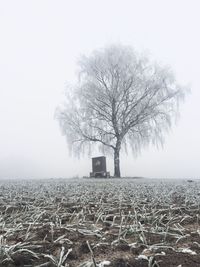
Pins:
x,y
88,222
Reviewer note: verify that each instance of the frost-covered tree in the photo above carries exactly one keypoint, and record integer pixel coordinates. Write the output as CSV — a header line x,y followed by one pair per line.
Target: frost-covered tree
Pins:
x,y
121,100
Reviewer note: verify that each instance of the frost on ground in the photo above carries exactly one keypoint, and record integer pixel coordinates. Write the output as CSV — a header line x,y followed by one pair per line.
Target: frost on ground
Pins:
x,y
99,222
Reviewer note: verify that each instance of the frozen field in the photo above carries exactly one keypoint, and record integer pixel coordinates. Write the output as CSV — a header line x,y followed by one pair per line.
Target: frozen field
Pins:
x,y
88,222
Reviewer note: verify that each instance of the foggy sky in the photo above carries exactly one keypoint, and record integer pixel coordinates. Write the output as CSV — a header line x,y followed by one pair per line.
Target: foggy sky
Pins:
x,y
40,43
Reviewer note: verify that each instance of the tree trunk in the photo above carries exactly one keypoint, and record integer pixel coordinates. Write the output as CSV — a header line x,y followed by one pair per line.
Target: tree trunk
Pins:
x,y
116,163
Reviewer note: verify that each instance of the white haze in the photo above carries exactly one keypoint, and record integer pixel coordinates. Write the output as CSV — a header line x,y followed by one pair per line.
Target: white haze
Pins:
x,y
39,48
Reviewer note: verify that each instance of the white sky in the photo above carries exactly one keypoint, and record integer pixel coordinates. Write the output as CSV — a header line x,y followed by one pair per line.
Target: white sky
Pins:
x,y
40,42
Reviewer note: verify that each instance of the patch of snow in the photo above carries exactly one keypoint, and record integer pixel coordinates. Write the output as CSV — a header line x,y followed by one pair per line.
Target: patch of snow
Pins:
x,y
142,257
104,263
187,250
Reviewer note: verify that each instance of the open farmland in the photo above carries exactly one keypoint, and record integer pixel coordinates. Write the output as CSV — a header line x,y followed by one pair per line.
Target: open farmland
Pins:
x,y
99,222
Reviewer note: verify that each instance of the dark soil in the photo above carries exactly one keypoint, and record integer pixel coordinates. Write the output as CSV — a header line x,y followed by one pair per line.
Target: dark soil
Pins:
x,y
117,223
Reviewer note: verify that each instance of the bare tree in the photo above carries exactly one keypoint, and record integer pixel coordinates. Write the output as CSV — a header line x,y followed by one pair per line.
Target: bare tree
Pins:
x,y
121,100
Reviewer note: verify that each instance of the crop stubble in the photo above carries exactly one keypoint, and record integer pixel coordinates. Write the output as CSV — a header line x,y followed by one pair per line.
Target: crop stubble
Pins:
x,y
88,222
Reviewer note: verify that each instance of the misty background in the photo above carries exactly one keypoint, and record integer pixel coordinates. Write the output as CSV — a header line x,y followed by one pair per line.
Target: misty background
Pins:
x,y
40,43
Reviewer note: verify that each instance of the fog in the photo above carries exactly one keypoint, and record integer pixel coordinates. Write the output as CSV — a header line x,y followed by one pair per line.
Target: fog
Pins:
x,y
40,44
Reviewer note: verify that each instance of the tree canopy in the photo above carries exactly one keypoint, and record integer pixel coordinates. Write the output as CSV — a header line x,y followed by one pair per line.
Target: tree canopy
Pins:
x,y
122,99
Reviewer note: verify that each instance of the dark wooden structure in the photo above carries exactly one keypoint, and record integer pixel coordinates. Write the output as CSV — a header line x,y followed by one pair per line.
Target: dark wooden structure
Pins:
x,y
99,168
